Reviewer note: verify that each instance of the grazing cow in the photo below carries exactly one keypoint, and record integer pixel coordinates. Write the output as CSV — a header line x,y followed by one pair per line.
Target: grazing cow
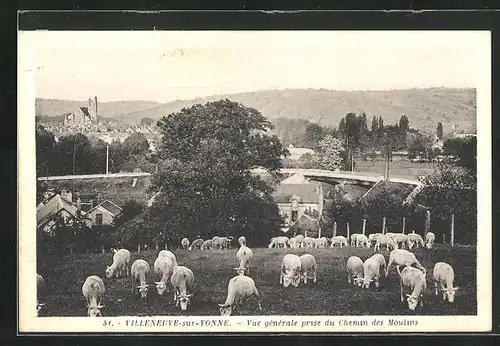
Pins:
x,y
196,244
239,289
340,240
415,280
93,290
443,275
308,267
405,258
290,270
140,268
185,243
182,282
121,260
227,244
293,243
355,270
218,242
244,255
278,242
429,239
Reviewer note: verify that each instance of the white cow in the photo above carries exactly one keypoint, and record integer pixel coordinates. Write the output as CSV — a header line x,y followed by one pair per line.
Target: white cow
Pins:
x,y
308,267
443,276
293,243
415,280
340,240
355,270
278,242
207,244
429,239
239,289
405,258
93,290
290,270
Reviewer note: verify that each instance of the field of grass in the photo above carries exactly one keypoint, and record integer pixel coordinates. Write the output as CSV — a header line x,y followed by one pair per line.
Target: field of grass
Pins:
x,y
402,168
330,295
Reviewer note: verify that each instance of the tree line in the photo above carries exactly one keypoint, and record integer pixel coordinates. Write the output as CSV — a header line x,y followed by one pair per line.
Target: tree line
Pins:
x,y
79,154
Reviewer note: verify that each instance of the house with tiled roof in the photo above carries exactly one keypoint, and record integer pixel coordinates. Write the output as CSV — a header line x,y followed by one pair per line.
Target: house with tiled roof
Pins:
x,y
104,213
56,205
295,199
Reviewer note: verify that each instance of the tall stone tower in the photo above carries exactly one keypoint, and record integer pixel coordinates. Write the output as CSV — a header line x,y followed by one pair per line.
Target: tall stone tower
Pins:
x,y
93,109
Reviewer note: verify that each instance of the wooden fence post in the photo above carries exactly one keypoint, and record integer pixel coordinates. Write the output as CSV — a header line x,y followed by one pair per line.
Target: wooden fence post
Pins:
x,y
305,233
364,226
348,231
452,235
335,229
138,247
383,225
319,232
404,224
444,238
427,222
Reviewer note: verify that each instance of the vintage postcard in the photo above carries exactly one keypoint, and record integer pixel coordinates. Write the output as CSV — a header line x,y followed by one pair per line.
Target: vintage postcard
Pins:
x,y
254,181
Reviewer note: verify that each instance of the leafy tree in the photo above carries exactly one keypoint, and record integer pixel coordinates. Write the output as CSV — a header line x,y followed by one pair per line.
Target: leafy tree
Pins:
x,y
75,146
451,190
313,135
329,153
465,149
381,128
418,143
208,152
130,209
147,121
374,132
45,142
135,144
439,131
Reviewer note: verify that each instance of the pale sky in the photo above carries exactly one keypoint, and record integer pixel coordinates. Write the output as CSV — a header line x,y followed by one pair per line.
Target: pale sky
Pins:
x,y
166,65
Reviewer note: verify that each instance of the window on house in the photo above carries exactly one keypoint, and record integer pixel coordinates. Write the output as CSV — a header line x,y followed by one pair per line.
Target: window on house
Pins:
x,y
294,215
98,219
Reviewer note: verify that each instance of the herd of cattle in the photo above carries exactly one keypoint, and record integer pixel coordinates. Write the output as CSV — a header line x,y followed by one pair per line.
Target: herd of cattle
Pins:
x,y
293,270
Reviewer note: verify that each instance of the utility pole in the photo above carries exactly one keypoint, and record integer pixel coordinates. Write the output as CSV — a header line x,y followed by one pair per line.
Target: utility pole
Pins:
x,y
107,158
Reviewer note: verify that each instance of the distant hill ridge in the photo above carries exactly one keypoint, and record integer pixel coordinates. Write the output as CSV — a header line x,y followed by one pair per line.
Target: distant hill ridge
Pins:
x,y
424,107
